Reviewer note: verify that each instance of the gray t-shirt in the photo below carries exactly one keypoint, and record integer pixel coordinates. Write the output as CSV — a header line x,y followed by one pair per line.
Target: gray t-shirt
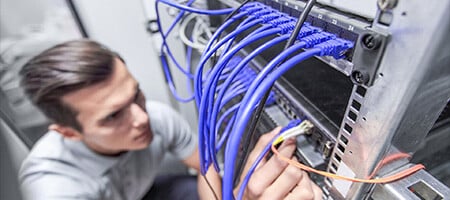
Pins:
x,y
59,168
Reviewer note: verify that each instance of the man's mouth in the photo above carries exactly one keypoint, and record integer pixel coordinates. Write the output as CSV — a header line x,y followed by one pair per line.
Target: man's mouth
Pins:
x,y
143,137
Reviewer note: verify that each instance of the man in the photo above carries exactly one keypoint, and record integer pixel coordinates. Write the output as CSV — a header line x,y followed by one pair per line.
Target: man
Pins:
x,y
106,141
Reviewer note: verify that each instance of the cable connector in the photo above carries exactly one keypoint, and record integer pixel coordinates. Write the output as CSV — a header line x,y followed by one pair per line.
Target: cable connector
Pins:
x,y
263,12
300,129
317,38
287,27
336,47
268,18
252,10
306,30
291,124
251,5
280,20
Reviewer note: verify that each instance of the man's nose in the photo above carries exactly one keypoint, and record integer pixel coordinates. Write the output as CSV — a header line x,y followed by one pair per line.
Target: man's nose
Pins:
x,y
139,115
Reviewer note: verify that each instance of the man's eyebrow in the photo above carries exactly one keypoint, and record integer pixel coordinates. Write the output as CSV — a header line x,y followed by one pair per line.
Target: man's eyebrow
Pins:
x,y
136,93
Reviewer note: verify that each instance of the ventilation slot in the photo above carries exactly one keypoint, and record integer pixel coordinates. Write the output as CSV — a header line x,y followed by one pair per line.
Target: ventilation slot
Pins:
x,y
361,91
348,128
344,139
333,167
356,105
338,158
341,148
352,115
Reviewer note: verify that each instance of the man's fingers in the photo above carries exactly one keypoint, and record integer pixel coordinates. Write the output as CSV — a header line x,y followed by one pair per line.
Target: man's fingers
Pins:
x,y
263,141
318,194
305,189
274,166
287,181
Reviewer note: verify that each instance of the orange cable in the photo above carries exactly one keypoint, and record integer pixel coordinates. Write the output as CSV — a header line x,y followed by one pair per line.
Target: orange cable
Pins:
x,y
386,160
388,179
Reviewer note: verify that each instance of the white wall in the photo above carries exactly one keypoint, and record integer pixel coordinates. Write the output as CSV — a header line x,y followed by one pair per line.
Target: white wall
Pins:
x,y
12,23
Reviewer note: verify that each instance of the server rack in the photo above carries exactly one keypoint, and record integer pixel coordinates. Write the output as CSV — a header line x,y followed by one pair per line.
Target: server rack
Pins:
x,y
391,92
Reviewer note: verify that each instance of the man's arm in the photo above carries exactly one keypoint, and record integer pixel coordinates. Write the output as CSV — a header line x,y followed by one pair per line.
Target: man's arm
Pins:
x,y
213,178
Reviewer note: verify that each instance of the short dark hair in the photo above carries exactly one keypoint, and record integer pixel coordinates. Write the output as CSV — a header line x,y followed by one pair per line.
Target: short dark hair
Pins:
x,y
62,69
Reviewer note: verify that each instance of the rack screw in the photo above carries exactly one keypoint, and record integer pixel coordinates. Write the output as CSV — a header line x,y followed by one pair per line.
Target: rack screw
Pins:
x,y
358,77
371,42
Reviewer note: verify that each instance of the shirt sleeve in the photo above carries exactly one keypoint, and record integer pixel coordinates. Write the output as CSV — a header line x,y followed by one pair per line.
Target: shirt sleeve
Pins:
x,y
177,135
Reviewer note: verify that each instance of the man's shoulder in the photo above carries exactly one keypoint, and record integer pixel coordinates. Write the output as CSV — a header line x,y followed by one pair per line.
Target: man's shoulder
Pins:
x,y
49,155
50,145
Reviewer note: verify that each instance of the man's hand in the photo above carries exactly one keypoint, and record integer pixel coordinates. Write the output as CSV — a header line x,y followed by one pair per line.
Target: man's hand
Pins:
x,y
276,179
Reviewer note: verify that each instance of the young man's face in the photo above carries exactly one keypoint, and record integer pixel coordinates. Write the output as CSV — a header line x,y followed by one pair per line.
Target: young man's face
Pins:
x,y
112,113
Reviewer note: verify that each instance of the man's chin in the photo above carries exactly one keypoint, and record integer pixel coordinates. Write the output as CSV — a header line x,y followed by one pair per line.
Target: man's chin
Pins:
x,y
146,142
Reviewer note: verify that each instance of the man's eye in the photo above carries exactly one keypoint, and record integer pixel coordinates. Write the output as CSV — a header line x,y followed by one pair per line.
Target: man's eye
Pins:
x,y
113,116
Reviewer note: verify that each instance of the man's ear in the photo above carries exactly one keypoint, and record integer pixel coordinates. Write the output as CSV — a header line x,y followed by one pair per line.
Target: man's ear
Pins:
x,y
66,131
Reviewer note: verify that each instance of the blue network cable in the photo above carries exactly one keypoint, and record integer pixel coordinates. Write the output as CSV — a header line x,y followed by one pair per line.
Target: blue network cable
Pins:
x,y
230,42
188,66
198,75
254,13
306,30
163,58
168,76
209,96
306,42
211,146
239,87
280,24
219,66
236,71
252,9
164,46
212,79
203,143
334,47
209,52
244,11
225,133
222,28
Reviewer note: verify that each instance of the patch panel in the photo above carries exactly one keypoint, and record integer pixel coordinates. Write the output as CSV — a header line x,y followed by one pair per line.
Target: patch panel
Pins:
x,y
344,25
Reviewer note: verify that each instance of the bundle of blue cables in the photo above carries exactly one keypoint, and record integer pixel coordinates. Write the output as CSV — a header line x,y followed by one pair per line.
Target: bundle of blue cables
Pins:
x,y
213,91
226,92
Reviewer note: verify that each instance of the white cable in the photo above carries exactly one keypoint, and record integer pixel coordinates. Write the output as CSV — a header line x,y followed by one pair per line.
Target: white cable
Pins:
x,y
302,128
184,38
200,31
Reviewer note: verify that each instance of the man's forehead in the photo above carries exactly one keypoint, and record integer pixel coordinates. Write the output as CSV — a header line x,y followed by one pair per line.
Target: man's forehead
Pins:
x,y
100,98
